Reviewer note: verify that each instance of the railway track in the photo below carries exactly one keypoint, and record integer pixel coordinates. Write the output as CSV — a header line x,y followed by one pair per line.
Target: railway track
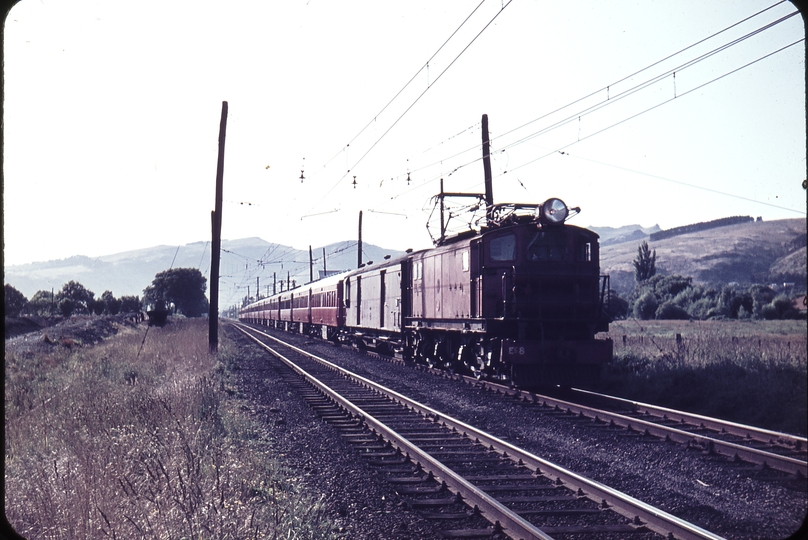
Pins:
x,y
456,472
766,449
784,453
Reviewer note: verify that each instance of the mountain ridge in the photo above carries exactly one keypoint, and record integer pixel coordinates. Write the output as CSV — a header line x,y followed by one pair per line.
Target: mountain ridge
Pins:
x,y
243,260
763,252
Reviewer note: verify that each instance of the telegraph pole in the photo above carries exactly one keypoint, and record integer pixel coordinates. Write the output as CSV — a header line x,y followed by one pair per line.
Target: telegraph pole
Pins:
x,y
216,244
359,248
489,189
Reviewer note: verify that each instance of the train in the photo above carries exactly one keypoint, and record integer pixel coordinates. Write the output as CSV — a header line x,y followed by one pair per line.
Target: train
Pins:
x,y
518,300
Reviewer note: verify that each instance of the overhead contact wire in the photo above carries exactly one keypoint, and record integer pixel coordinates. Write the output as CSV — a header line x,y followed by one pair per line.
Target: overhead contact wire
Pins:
x,y
630,91
417,99
409,82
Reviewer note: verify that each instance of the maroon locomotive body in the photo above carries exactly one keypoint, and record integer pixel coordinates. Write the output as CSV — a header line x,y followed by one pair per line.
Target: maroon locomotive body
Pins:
x,y
519,300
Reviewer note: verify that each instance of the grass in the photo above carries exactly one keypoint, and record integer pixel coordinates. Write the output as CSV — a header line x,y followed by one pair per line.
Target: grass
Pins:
x,y
752,372
103,443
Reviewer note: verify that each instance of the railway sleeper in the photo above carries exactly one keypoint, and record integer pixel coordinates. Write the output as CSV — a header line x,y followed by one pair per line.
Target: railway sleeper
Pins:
x,y
577,529
487,532
453,500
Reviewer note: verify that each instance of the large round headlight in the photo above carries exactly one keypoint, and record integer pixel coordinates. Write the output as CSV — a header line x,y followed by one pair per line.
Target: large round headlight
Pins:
x,y
554,211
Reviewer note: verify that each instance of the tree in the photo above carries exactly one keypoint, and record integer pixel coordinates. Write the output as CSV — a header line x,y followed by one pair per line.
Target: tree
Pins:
x,y
111,304
618,306
80,298
42,304
130,304
645,307
182,287
67,306
13,301
669,310
645,263
95,306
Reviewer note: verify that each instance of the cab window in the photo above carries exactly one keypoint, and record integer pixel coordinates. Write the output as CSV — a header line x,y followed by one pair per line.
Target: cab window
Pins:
x,y
503,248
549,245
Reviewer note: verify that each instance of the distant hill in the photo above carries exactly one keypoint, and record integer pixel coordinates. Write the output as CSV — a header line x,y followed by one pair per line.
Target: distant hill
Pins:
x,y
762,252
628,233
752,252
130,272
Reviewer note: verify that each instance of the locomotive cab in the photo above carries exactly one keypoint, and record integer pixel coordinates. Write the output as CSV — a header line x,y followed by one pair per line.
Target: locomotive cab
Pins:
x,y
539,286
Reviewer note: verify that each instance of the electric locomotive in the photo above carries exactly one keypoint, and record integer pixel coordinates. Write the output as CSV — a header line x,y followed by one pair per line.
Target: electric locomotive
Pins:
x,y
520,300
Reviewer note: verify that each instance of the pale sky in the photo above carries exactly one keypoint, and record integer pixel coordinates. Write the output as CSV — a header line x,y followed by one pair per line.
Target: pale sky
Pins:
x,y
112,115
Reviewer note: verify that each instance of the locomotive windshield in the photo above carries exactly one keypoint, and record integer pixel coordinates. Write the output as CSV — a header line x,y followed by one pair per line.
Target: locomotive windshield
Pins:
x,y
548,245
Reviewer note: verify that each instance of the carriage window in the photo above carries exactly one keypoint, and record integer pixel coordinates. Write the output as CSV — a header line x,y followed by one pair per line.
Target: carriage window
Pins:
x,y
548,246
465,261
503,248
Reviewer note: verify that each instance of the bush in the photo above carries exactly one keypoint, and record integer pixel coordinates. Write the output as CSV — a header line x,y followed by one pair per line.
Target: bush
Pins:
x,y
669,310
618,306
13,300
67,307
645,307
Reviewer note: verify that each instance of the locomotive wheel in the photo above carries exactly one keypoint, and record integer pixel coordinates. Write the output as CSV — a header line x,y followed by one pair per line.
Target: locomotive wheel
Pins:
x,y
473,361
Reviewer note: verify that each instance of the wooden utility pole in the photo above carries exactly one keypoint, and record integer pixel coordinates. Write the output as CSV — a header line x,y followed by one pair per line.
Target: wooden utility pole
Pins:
x,y
442,222
325,270
216,244
359,247
311,266
489,189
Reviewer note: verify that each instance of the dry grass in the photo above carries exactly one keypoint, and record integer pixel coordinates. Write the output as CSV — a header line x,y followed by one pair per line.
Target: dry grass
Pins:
x,y
752,372
101,443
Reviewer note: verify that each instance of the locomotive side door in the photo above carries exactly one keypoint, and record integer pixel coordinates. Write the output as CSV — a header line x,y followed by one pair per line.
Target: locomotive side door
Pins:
x,y
498,257
475,279
406,294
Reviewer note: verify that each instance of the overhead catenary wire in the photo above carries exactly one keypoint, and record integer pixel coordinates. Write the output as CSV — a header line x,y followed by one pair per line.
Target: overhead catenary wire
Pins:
x,y
651,81
357,162
565,146
611,99
649,66
425,66
577,115
656,106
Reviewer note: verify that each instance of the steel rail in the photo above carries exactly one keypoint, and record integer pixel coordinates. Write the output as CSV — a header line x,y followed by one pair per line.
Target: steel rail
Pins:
x,y
640,512
511,523
730,450
724,426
